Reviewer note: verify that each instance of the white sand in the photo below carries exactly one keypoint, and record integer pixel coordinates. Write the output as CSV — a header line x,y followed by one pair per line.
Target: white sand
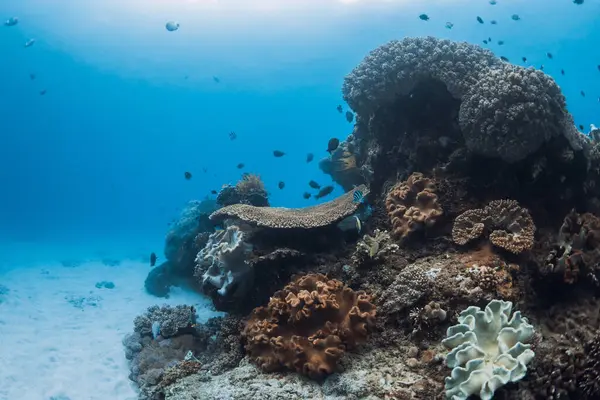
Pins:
x,y
61,336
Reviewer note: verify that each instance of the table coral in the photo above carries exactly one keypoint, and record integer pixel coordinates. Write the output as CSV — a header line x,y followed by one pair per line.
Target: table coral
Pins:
x,y
307,326
412,205
509,225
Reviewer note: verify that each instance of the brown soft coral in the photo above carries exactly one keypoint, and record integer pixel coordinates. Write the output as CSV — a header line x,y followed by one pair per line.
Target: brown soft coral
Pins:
x,y
511,226
307,326
412,205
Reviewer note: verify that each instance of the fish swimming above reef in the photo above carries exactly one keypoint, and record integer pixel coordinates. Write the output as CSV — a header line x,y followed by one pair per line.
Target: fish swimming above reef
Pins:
x,y
494,22
32,76
500,42
29,43
349,116
11,21
172,26
582,93
505,59
240,166
278,153
187,175
524,59
216,79
324,192
549,55
493,2
314,185
213,192
332,145
480,20
152,259
562,71
424,17
515,17
281,184
310,157
339,108
306,195
578,2
232,135
358,196
449,25
43,92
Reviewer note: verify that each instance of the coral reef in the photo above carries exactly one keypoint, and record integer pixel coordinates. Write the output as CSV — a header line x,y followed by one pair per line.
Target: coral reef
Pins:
x,y
342,166
488,350
308,326
412,205
373,249
510,226
248,190
284,218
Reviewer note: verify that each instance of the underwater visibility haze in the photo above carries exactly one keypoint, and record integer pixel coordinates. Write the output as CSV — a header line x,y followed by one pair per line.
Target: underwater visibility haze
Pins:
x,y
335,199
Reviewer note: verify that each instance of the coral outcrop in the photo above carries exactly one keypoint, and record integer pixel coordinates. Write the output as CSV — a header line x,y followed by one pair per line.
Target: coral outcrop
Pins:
x,y
307,326
508,225
248,190
343,167
412,205
488,350
374,248
286,218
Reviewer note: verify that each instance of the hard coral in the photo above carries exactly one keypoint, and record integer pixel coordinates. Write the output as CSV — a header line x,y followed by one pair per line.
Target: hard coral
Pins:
x,y
342,167
248,190
287,218
308,325
412,205
511,226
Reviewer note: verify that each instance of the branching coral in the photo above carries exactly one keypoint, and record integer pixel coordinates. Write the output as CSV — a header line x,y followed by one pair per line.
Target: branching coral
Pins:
x,y
374,248
308,325
488,350
511,226
286,218
412,205
248,190
223,264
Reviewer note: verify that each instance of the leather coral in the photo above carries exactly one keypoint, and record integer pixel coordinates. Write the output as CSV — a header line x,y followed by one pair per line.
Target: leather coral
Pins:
x,y
307,326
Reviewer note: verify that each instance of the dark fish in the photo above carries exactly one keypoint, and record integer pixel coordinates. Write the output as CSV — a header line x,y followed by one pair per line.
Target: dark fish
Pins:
x,y
449,25
216,79
485,42
306,195
281,184
43,92
213,191
562,71
339,108
524,59
581,127
504,59
32,76
582,93
324,192
314,185
204,169
186,77
310,157
232,135
358,196
188,175
424,17
493,2
500,42
480,20
349,116
598,67
578,2
240,166
332,145
542,67
152,260
515,17
549,55
494,22
490,39
278,153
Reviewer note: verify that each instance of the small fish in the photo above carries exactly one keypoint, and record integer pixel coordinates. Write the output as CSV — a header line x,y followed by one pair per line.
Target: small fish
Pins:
x,y
494,22
562,71
504,58
581,127
449,25
11,21
310,157
324,192
490,39
43,92
515,17
172,26
187,175
598,67
339,108
281,184
424,17
524,59
306,195
549,55
493,2
186,77
500,42
29,43
152,259
240,166
32,76
542,67
578,2
204,169
278,153
213,192
582,93
232,135
314,185
155,329
358,196
349,116
485,42
216,79
332,145
480,20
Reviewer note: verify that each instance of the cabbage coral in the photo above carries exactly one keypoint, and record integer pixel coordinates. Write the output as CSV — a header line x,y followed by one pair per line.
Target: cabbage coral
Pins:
x,y
488,350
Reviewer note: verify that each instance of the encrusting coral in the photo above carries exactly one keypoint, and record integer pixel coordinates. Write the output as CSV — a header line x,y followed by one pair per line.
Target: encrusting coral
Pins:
x,y
286,218
488,350
412,205
307,326
510,226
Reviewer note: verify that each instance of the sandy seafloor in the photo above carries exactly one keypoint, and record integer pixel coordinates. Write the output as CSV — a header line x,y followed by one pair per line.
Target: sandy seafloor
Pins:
x,y
60,336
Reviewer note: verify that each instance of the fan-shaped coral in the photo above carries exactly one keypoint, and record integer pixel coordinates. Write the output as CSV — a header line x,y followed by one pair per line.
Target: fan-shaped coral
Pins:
x,y
308,325
412,205
488,350
511,226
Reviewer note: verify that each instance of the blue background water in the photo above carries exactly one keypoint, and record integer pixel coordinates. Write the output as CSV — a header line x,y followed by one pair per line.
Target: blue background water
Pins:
x,y
99,160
